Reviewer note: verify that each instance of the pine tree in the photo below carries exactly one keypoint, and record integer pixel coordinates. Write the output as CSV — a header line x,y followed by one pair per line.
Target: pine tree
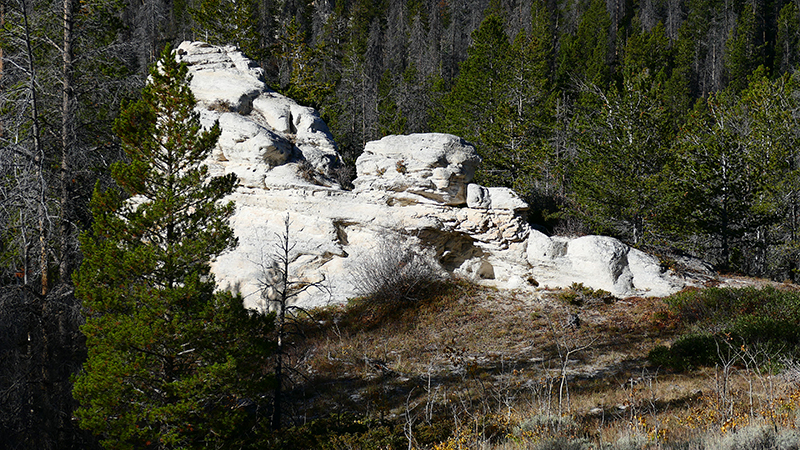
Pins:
x,y
622,153
226,22
584,57
772,107
171,363
477,107
304,85
743,51
652,51
725,173
787,41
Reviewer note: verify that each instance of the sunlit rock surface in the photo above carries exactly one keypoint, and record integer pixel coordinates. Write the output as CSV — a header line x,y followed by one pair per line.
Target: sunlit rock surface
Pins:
x,y
412,190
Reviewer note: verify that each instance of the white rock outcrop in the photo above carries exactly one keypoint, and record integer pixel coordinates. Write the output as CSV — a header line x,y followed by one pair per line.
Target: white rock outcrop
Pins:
x,y
494,197
261,129
415,190
433,166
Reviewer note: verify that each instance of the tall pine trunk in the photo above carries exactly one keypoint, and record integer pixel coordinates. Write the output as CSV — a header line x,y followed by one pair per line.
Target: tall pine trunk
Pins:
x,y
38,150
67,118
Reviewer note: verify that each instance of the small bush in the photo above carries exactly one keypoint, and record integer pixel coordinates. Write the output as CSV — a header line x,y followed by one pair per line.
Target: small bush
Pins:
x,y
707,305
344,175
687,352
661,356
633,441
544,425
578,294
768,317
307,171
765,330
221,106
723,305
394,273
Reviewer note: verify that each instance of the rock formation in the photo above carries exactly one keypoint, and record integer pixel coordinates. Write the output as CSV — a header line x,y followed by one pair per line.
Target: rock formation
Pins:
x,y
411,191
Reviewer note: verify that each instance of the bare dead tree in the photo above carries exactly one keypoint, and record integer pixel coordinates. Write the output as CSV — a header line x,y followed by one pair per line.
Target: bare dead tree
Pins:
x,y
278,290
67,118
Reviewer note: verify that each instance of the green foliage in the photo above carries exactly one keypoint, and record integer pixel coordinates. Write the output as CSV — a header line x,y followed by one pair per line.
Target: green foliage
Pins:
x,y
585,55
734,175
687,352
764,321
471,106
617,179
228,22
744,53
787,45
172,363
578,294
304,85
715,178
653,52
391,118
501,102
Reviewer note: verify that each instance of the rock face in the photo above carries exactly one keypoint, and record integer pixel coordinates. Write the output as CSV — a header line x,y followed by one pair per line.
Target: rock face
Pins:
x,y
433,166
261,129
411,191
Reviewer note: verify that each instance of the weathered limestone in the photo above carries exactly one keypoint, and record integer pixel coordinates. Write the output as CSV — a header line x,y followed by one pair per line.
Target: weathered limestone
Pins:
x,y
434,166
261,129
412,189
494,198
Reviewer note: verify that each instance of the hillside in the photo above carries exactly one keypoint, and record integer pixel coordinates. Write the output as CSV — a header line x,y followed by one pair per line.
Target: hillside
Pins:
x,y
468,367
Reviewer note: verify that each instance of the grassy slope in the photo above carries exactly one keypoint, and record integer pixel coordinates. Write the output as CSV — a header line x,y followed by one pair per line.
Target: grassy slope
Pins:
x,y
478,368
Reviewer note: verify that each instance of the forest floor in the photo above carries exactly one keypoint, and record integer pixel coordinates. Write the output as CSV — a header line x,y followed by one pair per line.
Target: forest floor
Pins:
x,y
469,364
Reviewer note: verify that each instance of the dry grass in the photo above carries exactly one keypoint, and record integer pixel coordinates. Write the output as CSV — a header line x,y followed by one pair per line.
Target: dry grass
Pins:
x,y
485,362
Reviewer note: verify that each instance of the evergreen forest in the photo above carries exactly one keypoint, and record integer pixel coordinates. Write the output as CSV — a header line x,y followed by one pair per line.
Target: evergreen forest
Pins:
x,y
673,125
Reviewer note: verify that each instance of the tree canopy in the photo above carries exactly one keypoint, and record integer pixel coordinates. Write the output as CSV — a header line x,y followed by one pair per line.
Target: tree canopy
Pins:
x,y
172,363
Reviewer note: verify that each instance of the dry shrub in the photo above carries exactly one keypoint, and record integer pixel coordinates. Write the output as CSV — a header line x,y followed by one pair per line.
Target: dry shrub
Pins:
x,y
757,438
394,273
221,105
344,175
307,171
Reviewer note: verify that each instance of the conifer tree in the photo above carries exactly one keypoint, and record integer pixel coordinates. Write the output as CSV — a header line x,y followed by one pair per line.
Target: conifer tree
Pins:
x,y
172,363
585,56
476,108
720,175
787,41
623,151
743,52
226,22
301,59
736,171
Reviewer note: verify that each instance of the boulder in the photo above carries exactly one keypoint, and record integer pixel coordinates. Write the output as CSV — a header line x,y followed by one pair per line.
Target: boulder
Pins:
x,y
433,166
494,198
412,193
599,262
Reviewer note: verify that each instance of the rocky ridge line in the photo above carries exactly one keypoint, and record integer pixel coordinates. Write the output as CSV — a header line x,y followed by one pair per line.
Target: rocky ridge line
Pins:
x,y
414,192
